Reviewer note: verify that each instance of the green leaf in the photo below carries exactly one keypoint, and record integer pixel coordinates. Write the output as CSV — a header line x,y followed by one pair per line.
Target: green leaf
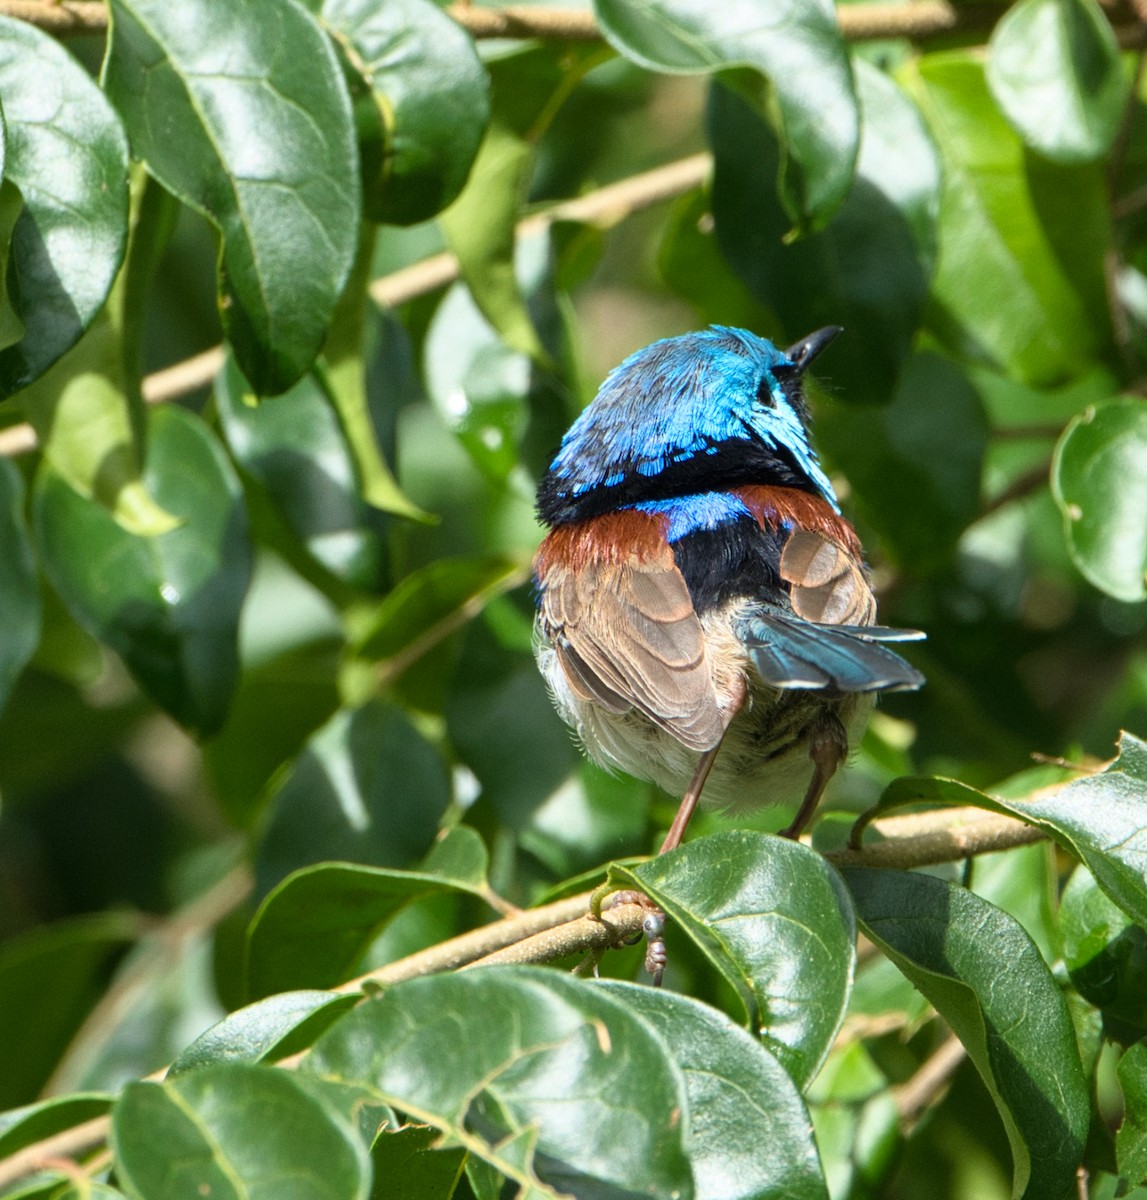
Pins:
x,y
368,788
235,1131
796,45
1017,275
1131,1140
216,105
21,1127
869,268
315,926
1099,481
1106,956
67,153
169,605
425,87
295,447
988,981
49,980
11,206
263,1032
773,918
19,585
915,463
1054,68
409,1160
1100,819
538,1092
749,1131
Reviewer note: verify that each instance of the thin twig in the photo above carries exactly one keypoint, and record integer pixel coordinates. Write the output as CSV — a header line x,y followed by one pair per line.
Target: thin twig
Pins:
x,y
918,1094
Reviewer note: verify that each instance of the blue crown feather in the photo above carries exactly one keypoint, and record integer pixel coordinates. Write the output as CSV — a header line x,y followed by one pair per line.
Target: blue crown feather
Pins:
x,y
718,406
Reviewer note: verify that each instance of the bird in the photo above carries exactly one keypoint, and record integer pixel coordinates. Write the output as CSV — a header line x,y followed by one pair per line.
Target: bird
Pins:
x,y
704,615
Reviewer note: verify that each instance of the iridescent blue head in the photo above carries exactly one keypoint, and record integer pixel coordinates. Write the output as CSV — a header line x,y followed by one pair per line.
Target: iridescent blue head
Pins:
x,y
704,411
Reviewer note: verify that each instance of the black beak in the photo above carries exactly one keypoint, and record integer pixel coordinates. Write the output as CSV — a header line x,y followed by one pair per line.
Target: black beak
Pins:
x,y
803,352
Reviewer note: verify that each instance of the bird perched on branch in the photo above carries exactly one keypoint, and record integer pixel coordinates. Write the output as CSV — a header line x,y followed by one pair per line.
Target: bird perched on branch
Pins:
x,y
704,614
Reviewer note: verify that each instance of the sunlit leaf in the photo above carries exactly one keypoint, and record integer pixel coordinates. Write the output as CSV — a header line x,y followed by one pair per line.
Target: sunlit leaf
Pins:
x,y
773,918
1054,68
538,1092
1099,480
215,104
233,1131
988,981
67,154
796,46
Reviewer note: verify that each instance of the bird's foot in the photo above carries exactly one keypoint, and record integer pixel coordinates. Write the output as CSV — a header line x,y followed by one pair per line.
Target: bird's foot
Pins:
x,y
652,927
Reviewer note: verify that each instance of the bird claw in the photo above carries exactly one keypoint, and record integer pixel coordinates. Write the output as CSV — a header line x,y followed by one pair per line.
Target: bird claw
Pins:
x,y
652,927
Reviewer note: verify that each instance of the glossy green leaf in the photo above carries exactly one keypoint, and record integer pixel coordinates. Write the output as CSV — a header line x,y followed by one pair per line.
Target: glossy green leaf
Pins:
x,y
49,980
216,105
67,154
314,927
1099,480
1100,819
1018,281
295,447
1054,68
915,463
263,1032
1105,953
21,1127
169,605
368,788
426,89
19,585
796,46
235,1131
413,1167
538,1092
869,268
988,981
749,1131
1131,1140
773,918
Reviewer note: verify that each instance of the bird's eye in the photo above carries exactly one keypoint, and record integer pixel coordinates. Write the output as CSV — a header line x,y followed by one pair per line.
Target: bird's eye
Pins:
x,y
765,397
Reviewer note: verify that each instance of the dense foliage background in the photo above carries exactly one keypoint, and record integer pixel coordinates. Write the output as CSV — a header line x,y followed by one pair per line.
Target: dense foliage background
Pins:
x,y
267,607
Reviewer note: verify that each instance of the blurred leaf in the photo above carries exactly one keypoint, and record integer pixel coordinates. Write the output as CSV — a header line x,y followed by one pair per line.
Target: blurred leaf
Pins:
x,y
1131,1140
265,150
480,228
49,980
914,463
869,268
295,447
796,46
749,1132
773,918
11,207
1054,68
987,980
67,153
427,89
368,788
1106,955
263,1032
19,585
22,1126
1099,480
1008,280
536,1093
169,605
315,926
412,1166
232,1131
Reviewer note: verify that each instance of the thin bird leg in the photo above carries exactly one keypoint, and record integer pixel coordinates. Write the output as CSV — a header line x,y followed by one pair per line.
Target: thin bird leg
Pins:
x,y
689,801
828,748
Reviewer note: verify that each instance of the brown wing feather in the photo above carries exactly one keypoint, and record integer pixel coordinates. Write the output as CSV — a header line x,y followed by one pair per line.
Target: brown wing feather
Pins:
x,y
627,637
826,583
